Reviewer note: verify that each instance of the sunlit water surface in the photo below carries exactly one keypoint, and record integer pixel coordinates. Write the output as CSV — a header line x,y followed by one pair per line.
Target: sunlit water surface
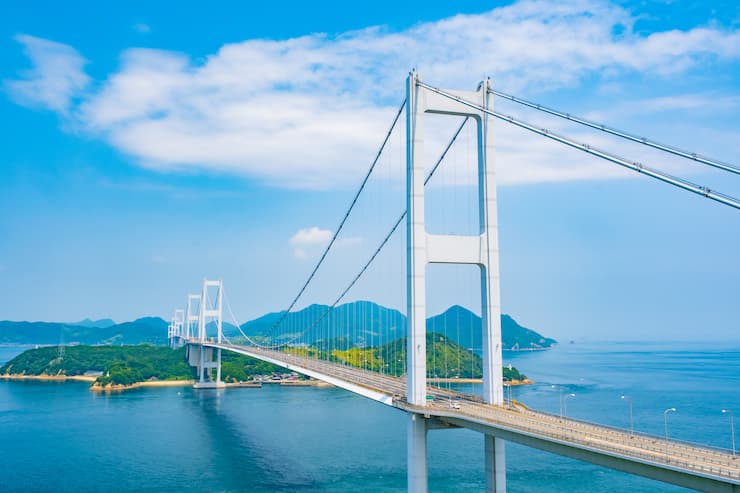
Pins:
x,y
62,437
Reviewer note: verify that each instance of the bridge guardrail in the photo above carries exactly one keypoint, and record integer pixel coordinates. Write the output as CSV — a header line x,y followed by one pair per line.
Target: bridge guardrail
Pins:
x,y
649,448
656,455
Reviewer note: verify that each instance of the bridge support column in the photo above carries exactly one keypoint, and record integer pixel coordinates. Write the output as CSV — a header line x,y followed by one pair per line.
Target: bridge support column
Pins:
x,y
416,453
218,367
201,364
495,464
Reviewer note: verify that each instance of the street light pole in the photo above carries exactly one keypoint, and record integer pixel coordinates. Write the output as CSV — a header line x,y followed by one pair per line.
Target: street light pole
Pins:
x,y
565,404
557,387
732,428
629,399
665,422
507,384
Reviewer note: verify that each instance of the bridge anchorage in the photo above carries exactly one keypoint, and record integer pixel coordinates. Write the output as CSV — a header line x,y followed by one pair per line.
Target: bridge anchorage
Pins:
x,y
429,408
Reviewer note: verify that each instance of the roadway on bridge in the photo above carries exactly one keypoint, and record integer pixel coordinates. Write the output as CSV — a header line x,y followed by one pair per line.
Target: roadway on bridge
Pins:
x,y
516,423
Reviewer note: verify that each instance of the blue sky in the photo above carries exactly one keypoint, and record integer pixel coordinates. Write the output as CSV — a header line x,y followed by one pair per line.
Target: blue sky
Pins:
x,y
147,147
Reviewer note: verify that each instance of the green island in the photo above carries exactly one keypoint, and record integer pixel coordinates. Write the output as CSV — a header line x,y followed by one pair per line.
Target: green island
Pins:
x,y
119,365
127,366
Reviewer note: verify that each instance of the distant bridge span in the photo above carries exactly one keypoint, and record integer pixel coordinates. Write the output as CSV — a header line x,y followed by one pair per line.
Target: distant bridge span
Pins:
x,y
689,466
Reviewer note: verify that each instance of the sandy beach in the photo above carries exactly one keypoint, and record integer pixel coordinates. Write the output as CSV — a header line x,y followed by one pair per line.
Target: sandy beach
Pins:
x,y
148,383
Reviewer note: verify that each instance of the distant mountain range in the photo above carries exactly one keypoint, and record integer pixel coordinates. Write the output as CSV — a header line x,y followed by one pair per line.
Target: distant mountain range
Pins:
x,y
152,330
103,323
375,325
372,325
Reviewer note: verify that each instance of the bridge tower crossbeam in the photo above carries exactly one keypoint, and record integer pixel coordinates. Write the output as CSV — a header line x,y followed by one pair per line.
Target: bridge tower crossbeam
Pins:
x,y
424,248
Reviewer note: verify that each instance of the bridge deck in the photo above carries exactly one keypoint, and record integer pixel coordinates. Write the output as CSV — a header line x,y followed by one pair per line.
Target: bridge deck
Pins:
x,y
687,465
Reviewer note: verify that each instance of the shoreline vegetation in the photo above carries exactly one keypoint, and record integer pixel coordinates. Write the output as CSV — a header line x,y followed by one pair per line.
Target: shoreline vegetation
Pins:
x,y
117,368
96,387
514,382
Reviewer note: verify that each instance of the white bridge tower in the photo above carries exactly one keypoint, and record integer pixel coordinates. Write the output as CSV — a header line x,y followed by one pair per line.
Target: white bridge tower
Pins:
x,y
424,248
207,359
174,330
192,316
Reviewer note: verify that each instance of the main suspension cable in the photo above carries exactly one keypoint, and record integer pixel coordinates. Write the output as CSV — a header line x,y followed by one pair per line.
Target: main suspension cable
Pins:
x,y
375,254
343,221
635,166
389,235
619,133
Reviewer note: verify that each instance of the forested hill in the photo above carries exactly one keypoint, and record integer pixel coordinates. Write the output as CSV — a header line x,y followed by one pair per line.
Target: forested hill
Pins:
x,y
119,364
373,325
445,359
464,327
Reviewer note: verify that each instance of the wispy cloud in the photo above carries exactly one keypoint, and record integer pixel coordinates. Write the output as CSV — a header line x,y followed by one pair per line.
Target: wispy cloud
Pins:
x,y
308,111
56,79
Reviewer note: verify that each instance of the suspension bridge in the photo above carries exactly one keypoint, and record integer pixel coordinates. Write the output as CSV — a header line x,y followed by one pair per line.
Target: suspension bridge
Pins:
x,y
290,342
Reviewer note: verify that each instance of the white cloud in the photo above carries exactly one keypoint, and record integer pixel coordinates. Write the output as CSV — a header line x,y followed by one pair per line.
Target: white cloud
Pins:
x,y
55,79
309,238
309,112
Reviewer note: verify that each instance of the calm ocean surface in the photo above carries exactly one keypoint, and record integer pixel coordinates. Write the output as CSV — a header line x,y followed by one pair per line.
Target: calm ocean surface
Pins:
x,y
62,437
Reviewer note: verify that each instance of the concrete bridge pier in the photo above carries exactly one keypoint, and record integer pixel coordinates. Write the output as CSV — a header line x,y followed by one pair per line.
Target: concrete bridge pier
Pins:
x,y
495,464
202,358
416,448
205,360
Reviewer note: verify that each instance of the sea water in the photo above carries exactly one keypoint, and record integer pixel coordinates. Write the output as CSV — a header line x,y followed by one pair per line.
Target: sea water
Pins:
x,y
62,437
